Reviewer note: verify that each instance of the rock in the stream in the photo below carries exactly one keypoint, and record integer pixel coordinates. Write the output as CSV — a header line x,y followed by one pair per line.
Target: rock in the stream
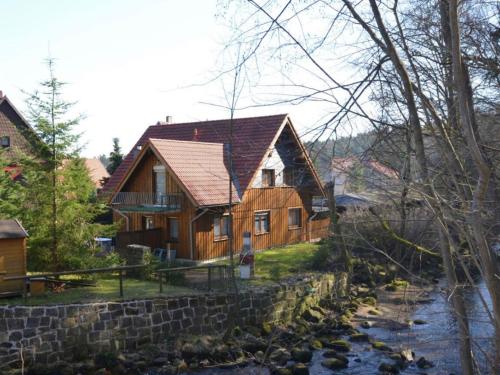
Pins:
x,y
334,364
379,345
424,363
419,322
407,355
366,324
359,337
280,356
301,355
300,369
312,316
340,345
387,368
253,344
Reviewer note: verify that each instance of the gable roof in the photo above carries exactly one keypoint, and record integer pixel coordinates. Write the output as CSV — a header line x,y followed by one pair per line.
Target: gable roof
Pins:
x,y
11,229
252,137
13,124
195,153
97,171
204,174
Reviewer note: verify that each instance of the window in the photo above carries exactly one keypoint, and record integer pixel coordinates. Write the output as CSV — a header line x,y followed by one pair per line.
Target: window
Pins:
x,y
160,182
173,229
289,176
268,177
221,227
5,141
294,218
147,222
261,222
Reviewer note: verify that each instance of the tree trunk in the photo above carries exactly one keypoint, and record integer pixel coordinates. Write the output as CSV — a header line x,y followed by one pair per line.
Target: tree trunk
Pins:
x,y
476,208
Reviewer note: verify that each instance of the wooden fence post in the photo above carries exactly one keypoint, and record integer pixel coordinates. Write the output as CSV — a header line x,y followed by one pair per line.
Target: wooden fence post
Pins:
x,y
121,283
209,277
160,276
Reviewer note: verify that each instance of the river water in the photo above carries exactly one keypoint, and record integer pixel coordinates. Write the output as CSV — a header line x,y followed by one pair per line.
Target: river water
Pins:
x,y
436,341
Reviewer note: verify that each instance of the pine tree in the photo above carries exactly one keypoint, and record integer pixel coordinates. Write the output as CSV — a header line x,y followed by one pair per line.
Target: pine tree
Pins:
x,y
115,157
58,201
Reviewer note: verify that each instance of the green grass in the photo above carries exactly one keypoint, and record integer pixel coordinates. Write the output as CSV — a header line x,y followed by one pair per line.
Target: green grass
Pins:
x,y
106,289
287,260
282,262
270,265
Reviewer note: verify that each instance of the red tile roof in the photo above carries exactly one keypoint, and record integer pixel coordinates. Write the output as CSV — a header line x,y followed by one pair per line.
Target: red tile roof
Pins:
x,y
204,173
252,137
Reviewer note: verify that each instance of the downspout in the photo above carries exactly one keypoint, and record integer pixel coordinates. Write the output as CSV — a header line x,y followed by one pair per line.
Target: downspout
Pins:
x,y
127,219
191,240
309,224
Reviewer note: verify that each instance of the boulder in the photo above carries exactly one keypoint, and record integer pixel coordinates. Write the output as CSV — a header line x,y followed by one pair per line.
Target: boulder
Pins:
x,y
281,371
334,364
366,324
407,355
424,363
388,368
280,356
340,345
359,337
300,369
312,316
253,344
382,346
301,355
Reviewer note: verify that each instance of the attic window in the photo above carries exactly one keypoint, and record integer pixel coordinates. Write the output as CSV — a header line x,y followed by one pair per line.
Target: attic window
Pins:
x,y
268,177
5,141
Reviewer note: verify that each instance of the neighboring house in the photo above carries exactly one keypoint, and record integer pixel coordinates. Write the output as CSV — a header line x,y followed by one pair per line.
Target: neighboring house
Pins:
x,y
16,135
352,174
176,179
12,255
97,172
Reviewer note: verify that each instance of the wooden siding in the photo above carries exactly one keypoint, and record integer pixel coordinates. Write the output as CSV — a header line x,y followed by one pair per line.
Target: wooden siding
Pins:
x,y
277,201
142,179
13,261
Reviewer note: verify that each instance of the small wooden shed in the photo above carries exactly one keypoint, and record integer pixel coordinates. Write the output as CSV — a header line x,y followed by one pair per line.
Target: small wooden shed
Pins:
x,y
12,255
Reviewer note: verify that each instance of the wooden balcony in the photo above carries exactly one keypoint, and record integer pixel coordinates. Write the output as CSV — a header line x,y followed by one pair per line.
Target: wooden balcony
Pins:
x,y
148,202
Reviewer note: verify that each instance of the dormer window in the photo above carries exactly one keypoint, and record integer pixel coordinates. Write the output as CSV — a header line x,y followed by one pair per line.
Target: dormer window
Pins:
x,y
268,177
5,141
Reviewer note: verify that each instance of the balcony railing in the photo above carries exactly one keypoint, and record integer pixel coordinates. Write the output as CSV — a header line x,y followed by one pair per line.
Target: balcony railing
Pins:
x,y
139,201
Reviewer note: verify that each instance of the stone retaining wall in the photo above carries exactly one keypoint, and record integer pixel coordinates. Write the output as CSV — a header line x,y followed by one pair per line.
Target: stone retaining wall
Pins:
x,y
73,332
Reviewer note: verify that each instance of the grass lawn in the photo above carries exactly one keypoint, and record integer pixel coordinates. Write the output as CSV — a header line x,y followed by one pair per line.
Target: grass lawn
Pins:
x,y
284,261
281,262
270,265
106,289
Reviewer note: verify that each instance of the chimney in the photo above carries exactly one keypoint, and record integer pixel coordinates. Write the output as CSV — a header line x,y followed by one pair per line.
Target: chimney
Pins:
x,y
1,94
168,120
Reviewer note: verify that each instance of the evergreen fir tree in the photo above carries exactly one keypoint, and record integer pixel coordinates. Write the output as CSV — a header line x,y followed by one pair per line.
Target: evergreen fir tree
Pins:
x,y
115,157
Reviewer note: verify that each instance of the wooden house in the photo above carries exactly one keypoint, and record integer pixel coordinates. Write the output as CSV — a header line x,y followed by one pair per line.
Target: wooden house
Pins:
x,y
16,135
12,255
172,189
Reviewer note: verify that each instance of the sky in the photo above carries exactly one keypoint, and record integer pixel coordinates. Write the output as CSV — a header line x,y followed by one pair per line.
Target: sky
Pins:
x,y
128,63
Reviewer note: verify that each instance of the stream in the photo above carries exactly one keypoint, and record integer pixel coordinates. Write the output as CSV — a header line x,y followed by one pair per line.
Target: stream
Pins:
x,y
436,341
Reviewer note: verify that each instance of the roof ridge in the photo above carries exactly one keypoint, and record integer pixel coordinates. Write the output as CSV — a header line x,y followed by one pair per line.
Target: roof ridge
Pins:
x,y
219,120
178,141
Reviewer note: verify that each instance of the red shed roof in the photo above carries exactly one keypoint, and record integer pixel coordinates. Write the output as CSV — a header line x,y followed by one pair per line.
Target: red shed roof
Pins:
x,y
252,137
